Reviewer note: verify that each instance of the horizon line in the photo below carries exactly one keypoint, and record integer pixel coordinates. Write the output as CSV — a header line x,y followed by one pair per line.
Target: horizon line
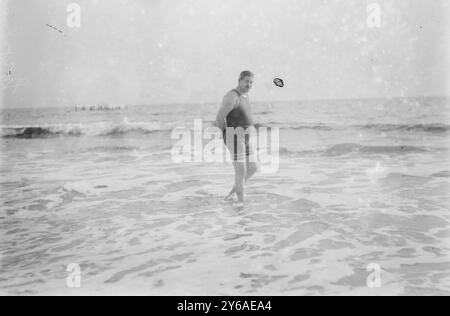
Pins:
x,y
255,101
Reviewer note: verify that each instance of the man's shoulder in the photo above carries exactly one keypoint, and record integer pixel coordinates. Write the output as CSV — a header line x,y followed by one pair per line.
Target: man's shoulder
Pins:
x,y
231,95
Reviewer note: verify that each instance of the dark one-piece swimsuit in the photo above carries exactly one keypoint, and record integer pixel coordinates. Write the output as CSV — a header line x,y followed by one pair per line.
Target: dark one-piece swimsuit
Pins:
x,y
239,117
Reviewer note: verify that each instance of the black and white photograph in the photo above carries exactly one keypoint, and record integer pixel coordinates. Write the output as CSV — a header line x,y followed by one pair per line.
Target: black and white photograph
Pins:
x,y
212,148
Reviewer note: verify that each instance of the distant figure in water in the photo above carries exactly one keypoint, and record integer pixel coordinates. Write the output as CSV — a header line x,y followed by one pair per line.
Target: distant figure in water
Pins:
x,y
235,114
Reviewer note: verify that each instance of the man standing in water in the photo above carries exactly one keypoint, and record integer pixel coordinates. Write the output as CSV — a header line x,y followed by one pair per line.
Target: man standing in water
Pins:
x,y
235,120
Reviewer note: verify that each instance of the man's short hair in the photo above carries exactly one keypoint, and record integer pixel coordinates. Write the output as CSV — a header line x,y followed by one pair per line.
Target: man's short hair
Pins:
x,y
245,73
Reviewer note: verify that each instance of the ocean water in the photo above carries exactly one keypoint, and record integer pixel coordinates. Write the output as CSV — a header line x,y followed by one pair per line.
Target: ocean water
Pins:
x,y
361,183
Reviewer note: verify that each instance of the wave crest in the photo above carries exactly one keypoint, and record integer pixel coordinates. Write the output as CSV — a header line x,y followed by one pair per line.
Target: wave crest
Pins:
x,y
77,130
351,148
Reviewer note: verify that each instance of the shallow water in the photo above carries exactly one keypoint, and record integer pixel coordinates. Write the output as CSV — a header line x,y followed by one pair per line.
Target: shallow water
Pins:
x,y
137,223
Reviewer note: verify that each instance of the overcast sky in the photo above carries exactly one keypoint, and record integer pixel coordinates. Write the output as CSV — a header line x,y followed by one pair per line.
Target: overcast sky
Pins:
x,y
184,51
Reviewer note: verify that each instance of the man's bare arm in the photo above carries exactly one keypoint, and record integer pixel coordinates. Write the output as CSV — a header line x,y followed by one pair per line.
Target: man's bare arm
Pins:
x,y
228,103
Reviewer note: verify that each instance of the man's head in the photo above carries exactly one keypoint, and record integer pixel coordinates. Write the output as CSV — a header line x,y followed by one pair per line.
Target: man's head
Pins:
x,y
245,81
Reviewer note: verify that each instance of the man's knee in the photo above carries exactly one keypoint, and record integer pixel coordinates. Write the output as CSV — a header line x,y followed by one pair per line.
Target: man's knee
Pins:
x,y
252,168
240,167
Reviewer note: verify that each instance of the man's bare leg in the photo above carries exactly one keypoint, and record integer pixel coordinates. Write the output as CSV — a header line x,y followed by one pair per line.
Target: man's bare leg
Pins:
x,y
251,169
239,179
230,195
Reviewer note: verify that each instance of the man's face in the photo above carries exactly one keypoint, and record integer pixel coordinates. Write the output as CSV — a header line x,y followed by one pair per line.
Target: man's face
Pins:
x,y
246,83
